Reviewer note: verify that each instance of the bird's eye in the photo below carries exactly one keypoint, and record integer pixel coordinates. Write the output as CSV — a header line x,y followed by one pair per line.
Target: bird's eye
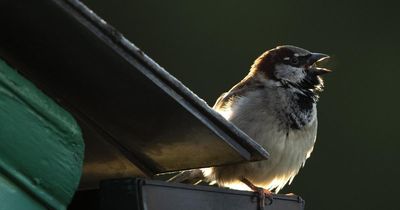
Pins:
x,y
294,61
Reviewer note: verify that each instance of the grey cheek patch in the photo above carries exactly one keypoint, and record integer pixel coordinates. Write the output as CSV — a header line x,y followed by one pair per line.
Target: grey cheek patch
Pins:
x,y
289,73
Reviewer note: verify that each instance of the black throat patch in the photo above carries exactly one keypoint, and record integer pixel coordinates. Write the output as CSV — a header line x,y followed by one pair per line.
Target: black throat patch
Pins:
x,y
301,110
302,96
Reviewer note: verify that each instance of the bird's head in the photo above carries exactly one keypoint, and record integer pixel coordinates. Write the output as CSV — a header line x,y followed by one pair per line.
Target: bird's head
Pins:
x,y
291,66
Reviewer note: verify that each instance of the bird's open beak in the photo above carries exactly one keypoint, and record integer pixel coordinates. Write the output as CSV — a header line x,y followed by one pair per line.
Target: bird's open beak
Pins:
x,y
315,58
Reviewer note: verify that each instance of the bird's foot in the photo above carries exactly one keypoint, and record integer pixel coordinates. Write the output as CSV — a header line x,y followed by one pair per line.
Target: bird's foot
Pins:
x,y
263,194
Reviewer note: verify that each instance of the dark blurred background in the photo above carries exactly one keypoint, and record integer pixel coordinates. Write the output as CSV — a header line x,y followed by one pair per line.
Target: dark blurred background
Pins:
x,y
210,45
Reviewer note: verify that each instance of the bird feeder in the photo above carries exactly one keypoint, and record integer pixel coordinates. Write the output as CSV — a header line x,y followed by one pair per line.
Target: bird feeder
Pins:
x,y
136,119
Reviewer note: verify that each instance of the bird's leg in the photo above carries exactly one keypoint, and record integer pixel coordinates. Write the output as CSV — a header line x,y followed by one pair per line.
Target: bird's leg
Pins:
x,y
262,193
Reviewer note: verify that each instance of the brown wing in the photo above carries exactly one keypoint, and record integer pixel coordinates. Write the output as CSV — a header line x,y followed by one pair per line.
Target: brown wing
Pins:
x,y
222,99
247,84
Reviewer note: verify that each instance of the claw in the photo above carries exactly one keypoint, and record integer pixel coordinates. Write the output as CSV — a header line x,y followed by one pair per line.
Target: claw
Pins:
x,y
263,194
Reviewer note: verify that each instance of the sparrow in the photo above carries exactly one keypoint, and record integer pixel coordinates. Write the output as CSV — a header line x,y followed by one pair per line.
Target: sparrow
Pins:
x,y
276,105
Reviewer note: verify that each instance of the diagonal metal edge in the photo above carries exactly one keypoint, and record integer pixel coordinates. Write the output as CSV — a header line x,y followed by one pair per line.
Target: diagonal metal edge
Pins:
x,y
150,75
194,103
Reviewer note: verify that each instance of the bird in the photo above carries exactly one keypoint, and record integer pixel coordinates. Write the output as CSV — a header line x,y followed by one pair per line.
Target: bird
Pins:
x,y
276,105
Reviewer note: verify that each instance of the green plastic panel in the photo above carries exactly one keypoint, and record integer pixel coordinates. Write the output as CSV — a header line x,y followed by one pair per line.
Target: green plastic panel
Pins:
x,y
41,146
12,197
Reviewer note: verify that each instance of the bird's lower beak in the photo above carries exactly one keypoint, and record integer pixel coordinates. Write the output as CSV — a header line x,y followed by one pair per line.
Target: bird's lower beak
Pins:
x,y
315,58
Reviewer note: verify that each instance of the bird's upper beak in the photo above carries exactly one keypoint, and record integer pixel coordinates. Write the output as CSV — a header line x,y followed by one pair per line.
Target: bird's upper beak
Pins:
x,y
313,59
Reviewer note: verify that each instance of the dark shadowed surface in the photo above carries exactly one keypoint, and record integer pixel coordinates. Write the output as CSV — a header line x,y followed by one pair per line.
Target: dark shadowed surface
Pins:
x,y
73,56
129,194
210,46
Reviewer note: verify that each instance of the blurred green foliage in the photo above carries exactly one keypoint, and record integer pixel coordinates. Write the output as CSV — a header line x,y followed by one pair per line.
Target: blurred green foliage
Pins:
x,y
209,45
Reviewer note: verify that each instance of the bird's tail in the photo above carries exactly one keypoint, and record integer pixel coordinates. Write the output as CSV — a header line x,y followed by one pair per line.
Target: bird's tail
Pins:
x,y
194,177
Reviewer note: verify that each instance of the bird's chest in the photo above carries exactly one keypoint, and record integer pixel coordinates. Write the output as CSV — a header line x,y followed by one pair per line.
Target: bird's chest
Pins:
x,y
296,111
274,110
267,119
280,122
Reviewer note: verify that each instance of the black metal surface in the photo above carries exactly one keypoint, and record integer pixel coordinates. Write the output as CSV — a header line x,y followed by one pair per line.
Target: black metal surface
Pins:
x,y
137,120
140,194
86,200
